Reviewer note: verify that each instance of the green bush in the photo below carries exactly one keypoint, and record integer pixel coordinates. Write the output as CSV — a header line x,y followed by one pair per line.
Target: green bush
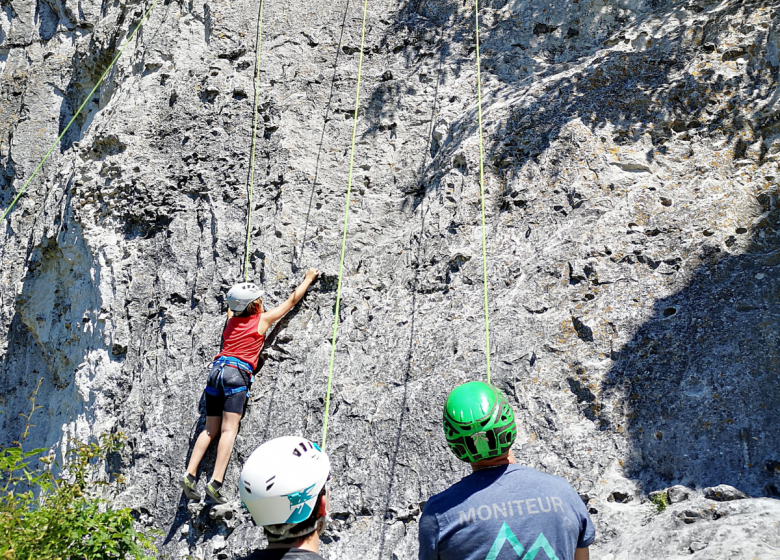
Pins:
x,y
65,517
661,501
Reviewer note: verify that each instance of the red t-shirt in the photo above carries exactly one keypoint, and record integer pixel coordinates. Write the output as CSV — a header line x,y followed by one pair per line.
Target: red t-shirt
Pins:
x,y
241,340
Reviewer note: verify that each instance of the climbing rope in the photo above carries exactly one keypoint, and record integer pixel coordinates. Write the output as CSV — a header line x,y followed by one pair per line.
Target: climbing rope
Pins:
x,y
482,193
254,143
86,100
344,235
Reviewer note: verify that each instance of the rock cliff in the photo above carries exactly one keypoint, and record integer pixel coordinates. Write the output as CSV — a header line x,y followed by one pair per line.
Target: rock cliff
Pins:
x,y
632,155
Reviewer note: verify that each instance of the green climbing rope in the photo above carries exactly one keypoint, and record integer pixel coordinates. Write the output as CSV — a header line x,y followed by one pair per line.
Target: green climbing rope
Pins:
x,y
344,235
72,120
482,193
254,143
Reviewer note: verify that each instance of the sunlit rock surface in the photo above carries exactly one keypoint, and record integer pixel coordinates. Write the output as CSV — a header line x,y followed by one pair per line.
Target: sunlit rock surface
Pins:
x,y
631,165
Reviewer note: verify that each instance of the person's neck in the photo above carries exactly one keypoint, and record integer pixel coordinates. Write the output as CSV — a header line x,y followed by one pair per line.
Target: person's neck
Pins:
x,y
505,459
310,542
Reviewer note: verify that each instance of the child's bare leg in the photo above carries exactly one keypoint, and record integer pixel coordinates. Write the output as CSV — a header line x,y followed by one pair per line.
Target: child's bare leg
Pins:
x,y
202,443
230,421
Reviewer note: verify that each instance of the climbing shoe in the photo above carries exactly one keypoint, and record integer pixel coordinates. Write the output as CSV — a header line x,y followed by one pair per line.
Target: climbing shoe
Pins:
x,y
187,484
213,489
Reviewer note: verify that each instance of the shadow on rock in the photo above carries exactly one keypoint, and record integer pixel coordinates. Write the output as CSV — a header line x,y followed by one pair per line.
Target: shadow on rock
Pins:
x,y
543,71
58,334
697,389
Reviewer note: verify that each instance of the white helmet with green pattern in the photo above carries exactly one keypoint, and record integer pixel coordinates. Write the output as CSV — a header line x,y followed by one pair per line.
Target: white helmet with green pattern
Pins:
x,y
281,483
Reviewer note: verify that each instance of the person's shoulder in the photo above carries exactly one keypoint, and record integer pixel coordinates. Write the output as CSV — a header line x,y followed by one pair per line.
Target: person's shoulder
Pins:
x,y
444,500
436,503
539,477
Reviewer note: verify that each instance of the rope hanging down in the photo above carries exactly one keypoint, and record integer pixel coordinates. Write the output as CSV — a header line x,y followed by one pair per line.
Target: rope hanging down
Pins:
x,y
344,235
72,120
482,193
254,142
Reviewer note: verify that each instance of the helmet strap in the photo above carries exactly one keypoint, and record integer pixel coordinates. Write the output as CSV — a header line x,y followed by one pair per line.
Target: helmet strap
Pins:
x,y
323,523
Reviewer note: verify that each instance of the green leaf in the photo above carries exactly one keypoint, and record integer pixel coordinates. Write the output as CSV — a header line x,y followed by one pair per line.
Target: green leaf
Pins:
x,y
35,452
13,451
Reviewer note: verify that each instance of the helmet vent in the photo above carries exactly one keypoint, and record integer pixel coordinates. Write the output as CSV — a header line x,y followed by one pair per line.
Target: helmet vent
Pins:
x,y
270,482
267,488
491,437
303,446
247,488
296,452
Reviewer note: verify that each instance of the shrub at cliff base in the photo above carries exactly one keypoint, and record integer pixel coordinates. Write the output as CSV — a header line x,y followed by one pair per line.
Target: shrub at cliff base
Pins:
x,y
64,517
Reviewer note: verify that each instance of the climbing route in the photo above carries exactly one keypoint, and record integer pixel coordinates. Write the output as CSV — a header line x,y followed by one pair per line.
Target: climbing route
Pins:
x,y
344,234
254,142
482,192
78,112
346,206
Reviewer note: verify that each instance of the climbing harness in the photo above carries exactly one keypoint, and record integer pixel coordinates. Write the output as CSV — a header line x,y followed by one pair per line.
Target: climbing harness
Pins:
x,y
215,385
344,235
254,143
72,120
240,365
482,193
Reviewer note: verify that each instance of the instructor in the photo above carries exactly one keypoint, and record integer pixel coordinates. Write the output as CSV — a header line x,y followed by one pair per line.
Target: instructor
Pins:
x,y
502,505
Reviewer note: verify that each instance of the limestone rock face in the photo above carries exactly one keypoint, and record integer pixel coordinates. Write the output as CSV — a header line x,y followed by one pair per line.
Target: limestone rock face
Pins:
x,y
678,493
724,493
700,528
633,252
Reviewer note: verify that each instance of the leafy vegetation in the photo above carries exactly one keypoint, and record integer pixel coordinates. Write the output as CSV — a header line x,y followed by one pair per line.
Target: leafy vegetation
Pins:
x,y
64,517
661,501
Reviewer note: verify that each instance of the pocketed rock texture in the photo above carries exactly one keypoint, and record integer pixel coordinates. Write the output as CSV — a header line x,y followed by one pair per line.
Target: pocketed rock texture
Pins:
x,y
631,167
700,529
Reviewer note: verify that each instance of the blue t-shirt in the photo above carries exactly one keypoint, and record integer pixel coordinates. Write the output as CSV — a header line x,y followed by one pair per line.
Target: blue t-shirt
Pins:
x,y
505,512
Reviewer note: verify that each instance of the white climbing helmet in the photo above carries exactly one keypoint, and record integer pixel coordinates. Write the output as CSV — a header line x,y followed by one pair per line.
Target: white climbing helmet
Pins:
x,y
281,482
242,295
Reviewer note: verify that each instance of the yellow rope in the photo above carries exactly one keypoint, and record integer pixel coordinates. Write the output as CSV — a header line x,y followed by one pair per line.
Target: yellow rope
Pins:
x,y
344,235
482,193
72,120
254,143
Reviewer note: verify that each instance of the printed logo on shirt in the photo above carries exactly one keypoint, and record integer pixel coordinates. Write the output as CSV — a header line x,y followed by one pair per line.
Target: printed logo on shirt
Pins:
x,y
506,535
531,506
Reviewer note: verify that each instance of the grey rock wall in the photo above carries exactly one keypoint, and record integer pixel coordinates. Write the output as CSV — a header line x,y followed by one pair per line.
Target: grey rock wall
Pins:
x,y
631,153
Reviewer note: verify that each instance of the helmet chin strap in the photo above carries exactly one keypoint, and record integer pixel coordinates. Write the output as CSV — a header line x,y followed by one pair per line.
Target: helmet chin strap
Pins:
x,y
323,523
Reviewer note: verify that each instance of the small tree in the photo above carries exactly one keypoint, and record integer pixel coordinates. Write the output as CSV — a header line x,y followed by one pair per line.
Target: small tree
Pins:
x,y
65,517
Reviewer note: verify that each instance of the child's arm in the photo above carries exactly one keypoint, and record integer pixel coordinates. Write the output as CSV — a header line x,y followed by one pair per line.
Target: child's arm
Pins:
x,y
270,317
222,338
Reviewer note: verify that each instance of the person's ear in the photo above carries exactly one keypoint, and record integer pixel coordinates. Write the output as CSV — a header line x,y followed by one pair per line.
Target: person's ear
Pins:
x,y
322,505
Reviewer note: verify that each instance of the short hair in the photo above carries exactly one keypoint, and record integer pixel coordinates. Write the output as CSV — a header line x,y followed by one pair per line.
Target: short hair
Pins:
x,y
252,309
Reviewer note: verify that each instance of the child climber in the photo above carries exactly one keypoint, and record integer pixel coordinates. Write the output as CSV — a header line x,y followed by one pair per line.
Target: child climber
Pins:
x,y
230,377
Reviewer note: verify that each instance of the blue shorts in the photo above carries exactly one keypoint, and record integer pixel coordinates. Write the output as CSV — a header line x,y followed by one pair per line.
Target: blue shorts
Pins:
x,y
226,390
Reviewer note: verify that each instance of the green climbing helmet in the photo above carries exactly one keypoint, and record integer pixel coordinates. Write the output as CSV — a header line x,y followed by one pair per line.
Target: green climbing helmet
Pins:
x,y
478,422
